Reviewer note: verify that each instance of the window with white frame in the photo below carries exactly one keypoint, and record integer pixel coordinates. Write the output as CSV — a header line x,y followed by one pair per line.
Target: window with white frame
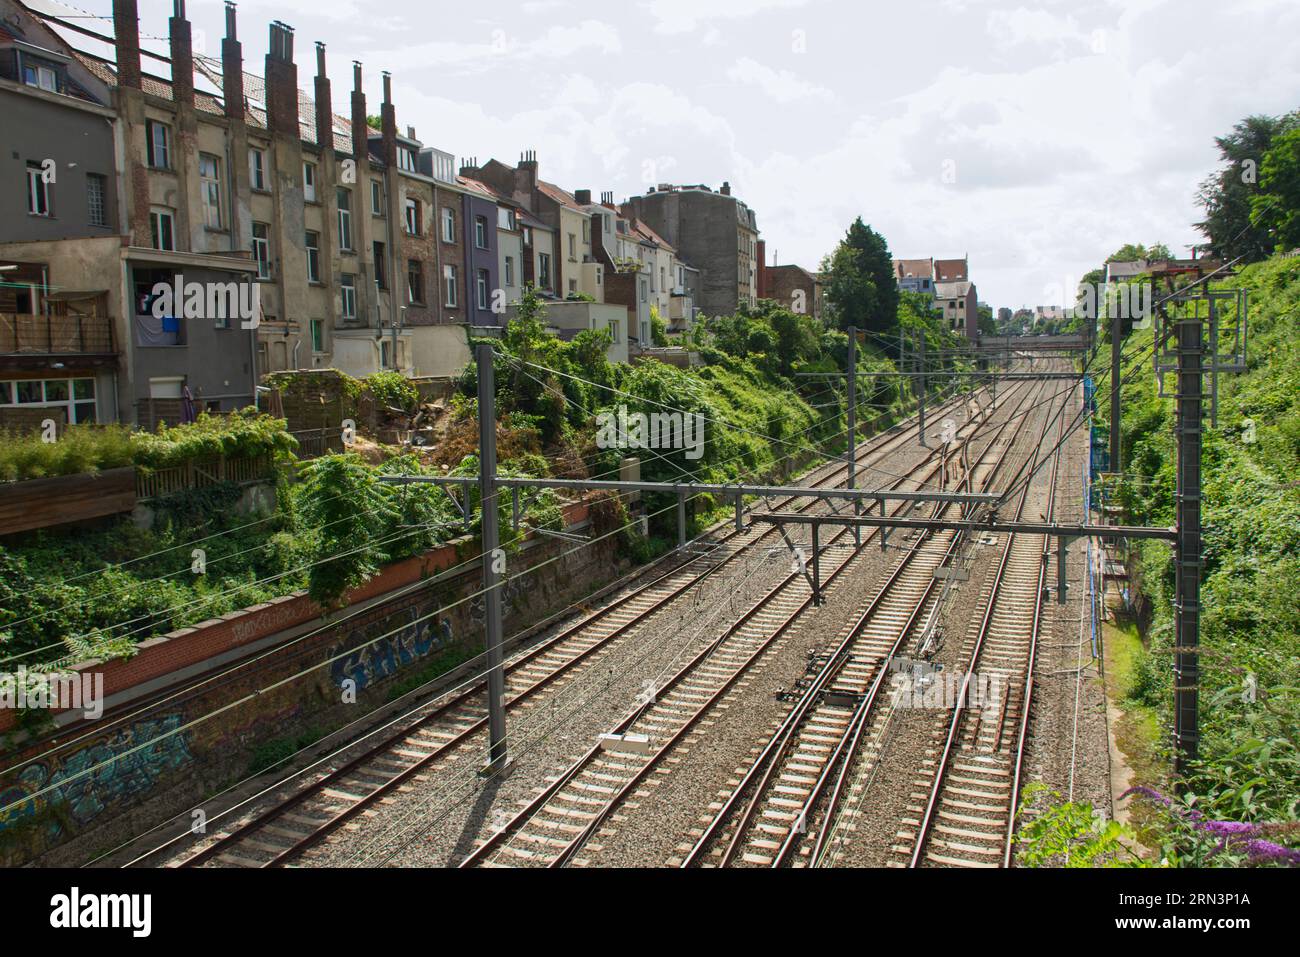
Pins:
x,y
309,182
262,249
38,191
210,189
481,284
376,197
412,216
613,330
38,75
449,285
544,270
448,224
510,271
348,300
76,397
312,242
480,232
257,169
158,144
344,198
414,282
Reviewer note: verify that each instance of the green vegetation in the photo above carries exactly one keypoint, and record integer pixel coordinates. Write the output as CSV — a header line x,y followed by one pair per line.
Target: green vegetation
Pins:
x,y
860,288
1243,213
1249,767
92,448
1061,833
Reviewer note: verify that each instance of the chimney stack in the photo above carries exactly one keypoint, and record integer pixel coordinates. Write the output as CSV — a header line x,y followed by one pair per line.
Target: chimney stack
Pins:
x,y
360,138
388,114
726,188
182,53
232,68
126,30
583,196
324,104
282,82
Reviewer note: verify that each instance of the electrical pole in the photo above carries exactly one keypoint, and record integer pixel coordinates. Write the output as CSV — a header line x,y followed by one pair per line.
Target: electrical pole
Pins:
x,y
920,381
1116,340
853,425
493,562
1187,544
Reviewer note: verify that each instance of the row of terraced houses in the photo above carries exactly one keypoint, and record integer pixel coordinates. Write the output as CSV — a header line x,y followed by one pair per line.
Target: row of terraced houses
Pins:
x,y
132,169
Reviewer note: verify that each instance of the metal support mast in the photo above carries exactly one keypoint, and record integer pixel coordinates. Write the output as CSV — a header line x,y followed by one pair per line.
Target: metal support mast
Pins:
x,y
853,425
1187,546
492,555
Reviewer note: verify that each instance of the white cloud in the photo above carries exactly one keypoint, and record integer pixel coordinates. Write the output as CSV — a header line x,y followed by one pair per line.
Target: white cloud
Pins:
x,y
683,16
781,85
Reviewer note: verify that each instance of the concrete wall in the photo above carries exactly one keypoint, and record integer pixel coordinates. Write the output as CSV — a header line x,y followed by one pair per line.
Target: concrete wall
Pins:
x,y
150,765
79,138
577,316
439,350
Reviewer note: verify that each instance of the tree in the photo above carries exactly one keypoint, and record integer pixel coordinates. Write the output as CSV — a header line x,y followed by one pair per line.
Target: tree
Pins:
x,y
861,290
1226,196
1276,207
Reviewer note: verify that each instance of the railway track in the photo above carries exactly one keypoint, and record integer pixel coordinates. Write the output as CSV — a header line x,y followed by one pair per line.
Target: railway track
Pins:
x,y
968,815
775,810
557,826
278,834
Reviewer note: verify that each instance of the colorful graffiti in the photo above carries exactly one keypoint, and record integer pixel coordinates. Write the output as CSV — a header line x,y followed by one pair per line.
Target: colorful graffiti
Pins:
x,y
383,658
100,775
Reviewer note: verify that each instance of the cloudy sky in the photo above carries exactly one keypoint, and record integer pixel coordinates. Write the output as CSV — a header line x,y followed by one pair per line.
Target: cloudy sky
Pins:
x,y
1036,139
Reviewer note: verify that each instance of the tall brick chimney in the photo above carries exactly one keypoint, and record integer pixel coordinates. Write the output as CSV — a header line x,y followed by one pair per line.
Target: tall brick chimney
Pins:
x,y
182,52
232,68
526,172
281,82
359,136
126,30
324,104
725,190
388,113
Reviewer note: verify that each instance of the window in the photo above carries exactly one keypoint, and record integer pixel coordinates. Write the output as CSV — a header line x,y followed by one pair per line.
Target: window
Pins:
x,y
644,290
344,198
414,282
613,329
573,286
480,232
348,286
97,199
38,191
44,77
158,144
262,249
481,288
586,231
381,274
406,158
505,217
573,247
448,224
449,285
312,242
376,197
160,229
257,169
544,270
510,270
317,329
309,182
528,236
412,216
75,396
210,189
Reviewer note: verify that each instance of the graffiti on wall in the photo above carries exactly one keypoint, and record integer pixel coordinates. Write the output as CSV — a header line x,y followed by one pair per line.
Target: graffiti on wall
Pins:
x,y
381,659
100,775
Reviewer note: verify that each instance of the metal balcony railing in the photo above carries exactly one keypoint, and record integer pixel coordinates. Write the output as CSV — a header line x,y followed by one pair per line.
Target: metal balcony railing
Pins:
x,y
22,333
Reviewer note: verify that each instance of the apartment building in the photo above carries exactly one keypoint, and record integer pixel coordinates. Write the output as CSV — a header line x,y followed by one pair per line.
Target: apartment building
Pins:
x,y
713,231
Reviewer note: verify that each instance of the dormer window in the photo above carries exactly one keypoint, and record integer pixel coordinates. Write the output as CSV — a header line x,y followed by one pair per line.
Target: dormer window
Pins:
x,y
41,76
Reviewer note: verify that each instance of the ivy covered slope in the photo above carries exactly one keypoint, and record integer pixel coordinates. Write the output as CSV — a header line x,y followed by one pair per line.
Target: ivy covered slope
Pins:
x,y
1250,670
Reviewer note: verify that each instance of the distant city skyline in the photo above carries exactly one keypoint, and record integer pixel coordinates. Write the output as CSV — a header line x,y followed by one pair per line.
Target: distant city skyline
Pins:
x,y
1033,141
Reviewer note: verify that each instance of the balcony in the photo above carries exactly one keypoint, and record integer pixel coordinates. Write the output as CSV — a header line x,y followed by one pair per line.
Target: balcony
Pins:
x,y
61,332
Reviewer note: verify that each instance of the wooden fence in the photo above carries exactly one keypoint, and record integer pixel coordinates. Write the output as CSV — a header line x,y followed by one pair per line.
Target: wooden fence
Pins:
x,y
157,483
40,503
